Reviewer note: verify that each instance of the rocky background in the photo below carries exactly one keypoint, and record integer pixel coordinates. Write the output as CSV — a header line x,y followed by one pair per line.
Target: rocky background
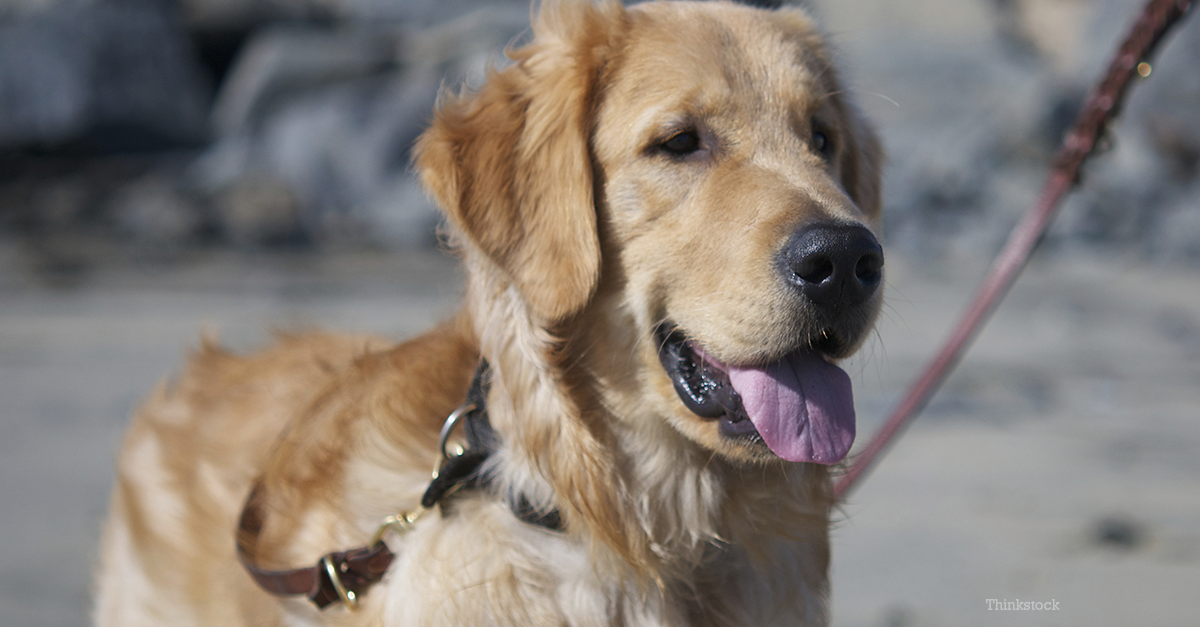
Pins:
x,y
239,165
149,129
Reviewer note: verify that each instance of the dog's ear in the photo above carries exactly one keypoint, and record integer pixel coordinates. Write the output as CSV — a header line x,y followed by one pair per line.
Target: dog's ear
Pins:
x,y
511,164
862,165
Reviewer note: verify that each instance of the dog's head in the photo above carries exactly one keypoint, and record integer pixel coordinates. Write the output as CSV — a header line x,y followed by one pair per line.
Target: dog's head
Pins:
x,y
743,193
701,162
669,215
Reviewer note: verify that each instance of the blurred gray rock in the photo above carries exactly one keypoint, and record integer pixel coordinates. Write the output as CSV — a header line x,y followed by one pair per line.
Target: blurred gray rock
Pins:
x,y
258,210
418,13
1176,237
153,212
332,113
288,61
109,75
976,120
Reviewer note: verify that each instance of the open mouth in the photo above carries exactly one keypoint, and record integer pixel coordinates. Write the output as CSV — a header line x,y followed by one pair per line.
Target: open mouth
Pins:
x,y
704,386
800,406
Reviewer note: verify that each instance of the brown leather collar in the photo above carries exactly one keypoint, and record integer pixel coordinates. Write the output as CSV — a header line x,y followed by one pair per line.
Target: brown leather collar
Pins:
x,y
346,575
354,570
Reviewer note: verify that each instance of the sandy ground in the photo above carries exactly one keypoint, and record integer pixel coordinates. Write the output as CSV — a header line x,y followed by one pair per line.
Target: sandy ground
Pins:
x,y
1059,464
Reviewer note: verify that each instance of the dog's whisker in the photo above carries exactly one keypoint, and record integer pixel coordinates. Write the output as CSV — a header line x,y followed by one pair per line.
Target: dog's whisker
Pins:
x,y
880,96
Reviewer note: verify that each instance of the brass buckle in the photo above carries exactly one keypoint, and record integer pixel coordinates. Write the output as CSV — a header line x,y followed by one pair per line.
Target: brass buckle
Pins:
x,y
401,523
349,599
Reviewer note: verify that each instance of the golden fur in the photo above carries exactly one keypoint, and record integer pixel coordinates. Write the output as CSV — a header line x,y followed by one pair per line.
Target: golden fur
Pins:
x,y
578,239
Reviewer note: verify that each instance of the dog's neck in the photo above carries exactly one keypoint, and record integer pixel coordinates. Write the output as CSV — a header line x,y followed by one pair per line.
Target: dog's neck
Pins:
x,y
627,483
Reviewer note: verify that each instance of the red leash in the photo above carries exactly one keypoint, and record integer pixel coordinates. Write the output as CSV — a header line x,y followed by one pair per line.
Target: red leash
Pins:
x,y
1101,106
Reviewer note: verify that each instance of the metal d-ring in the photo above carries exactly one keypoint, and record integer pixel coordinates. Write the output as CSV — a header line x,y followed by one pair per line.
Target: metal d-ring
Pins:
x,y
447,429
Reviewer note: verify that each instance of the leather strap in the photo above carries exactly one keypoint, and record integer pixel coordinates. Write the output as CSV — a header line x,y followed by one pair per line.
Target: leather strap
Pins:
x,y
358,569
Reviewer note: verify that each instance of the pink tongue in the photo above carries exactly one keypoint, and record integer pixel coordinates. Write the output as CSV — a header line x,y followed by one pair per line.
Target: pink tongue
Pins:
x,y
801,405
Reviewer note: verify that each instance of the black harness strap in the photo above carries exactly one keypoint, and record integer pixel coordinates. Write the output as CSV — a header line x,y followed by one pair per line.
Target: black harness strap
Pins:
x,y
463,471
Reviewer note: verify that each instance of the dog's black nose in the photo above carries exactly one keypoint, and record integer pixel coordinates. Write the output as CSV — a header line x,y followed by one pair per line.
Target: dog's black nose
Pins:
x,y
834,265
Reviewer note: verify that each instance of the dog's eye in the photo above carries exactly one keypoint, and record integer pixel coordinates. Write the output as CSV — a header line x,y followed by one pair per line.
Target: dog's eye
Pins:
x,y
822,144
682,143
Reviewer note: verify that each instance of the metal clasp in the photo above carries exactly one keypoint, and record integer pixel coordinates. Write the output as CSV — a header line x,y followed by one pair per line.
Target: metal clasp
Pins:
x,y
401,523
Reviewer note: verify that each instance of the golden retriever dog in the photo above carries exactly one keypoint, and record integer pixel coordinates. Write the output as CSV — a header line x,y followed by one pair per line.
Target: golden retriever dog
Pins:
x,y
667,214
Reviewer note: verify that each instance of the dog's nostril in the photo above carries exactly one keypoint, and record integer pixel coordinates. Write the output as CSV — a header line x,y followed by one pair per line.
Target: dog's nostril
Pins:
x,y
834,265
814,269
869,269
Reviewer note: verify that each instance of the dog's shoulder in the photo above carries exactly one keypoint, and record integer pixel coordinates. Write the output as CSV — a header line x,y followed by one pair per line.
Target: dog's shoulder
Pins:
x,y
302,417
362,443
